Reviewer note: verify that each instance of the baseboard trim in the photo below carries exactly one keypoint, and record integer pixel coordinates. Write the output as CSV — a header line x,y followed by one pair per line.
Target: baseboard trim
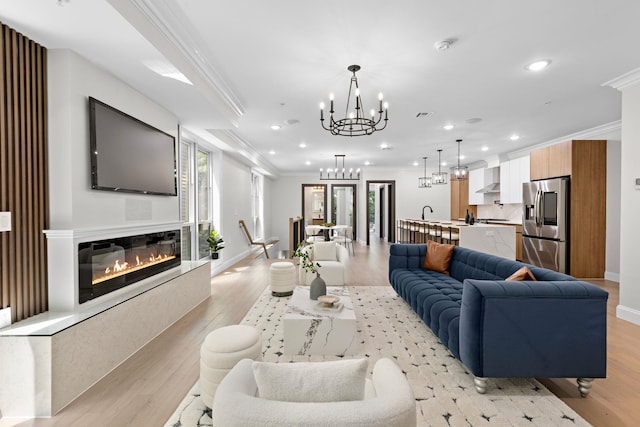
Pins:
x,y
628,314
614,277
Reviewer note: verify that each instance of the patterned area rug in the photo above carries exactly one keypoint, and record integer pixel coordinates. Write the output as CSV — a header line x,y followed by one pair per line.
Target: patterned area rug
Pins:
x,y
444,391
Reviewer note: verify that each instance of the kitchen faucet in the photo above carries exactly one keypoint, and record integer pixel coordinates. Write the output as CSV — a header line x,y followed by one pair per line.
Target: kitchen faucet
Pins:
x,y
426,206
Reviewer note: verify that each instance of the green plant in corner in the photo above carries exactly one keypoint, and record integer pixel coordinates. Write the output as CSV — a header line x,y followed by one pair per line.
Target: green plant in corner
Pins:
x,y
215,241
306,262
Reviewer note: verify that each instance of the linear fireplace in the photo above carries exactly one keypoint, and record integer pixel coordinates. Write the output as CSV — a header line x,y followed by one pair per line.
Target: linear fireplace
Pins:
x,y
110,264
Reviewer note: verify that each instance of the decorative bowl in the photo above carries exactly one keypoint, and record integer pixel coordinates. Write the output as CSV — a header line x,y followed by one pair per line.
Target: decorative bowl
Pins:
x,y
328,300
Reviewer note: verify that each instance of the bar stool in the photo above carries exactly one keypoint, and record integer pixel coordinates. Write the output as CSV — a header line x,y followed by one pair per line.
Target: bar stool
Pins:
x,y
449,236
435,233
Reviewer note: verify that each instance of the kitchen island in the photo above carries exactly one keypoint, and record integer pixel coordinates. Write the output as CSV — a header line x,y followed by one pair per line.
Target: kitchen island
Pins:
x,y
492,239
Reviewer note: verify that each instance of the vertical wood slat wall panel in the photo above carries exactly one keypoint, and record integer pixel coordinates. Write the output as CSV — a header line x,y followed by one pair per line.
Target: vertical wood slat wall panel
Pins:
x,y
23,174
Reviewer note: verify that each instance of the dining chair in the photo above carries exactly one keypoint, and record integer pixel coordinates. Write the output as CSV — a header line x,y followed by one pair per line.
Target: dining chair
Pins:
x,y
313,233
344,236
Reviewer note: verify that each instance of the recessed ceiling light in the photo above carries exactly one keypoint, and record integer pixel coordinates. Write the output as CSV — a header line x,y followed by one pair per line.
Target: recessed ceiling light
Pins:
x,y
275,127
538,65
461,157
384,146
485,148
415,163
302,145
448,126
444,163
367,163
514,137
307,163
272,152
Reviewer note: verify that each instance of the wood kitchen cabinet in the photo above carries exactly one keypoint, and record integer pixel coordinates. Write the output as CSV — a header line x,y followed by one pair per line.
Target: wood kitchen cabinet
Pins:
x,y
585,162
518,242
552,161
460,199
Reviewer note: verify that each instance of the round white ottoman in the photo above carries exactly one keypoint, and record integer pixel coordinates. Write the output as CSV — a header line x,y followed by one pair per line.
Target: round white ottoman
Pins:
x,y
282,277
220,352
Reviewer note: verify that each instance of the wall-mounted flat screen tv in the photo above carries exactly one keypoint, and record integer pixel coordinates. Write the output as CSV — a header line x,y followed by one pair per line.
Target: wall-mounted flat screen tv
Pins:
x,y
129,155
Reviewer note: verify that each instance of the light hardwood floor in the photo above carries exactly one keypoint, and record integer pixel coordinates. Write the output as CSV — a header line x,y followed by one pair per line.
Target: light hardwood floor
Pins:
x,y
146,388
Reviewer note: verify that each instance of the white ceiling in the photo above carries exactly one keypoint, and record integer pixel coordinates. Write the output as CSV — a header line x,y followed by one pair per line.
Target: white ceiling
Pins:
x,y
257,63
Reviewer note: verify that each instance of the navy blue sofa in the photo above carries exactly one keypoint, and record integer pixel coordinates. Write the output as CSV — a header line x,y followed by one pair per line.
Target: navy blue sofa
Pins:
x,y
555,327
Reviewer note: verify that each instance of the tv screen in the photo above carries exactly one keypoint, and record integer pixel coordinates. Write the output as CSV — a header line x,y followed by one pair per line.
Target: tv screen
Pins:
x,y
129,155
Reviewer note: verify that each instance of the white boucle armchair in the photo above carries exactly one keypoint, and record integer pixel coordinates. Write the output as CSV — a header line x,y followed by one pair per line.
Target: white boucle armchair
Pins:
x,y
388,402
333,260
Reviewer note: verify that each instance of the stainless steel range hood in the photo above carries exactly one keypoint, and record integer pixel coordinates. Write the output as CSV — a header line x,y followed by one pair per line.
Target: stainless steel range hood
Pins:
x,y
490,188
491,181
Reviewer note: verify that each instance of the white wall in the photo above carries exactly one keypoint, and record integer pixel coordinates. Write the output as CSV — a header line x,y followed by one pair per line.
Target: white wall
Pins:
x,y
236,205
73,204
629,307
612,264
287,198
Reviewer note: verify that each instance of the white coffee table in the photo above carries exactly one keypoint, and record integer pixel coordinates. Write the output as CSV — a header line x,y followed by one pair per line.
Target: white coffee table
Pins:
x,y
309,330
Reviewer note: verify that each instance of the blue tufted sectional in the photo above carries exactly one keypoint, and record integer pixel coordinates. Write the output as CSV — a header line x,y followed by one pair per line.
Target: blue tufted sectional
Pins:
x,y
555,327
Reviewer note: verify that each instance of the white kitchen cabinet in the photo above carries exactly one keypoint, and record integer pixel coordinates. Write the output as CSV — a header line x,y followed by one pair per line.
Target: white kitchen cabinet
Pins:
x,y
480,178
512,174
476,182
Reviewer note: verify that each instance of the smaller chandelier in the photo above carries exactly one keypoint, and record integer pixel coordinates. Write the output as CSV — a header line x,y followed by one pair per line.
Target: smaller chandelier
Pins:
x,y
424,181
338,173
354,123
439,177
459,173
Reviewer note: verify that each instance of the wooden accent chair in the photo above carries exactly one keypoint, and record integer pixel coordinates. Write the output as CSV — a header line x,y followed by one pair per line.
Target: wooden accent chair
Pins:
x,y
265,245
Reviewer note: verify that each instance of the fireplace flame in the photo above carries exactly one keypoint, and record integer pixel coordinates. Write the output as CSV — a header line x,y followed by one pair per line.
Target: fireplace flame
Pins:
x,y
121,268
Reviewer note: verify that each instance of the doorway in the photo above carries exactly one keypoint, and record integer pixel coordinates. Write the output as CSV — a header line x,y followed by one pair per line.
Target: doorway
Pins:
x,y
314,202
381,210
343,206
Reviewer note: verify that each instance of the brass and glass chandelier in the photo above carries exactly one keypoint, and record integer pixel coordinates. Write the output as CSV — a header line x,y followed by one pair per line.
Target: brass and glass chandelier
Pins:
x,y
424,181
354,122
339,173
439,177
459,173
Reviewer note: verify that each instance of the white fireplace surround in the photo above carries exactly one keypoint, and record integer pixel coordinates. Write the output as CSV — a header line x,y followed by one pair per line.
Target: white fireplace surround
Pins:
x,y
50,359
62,268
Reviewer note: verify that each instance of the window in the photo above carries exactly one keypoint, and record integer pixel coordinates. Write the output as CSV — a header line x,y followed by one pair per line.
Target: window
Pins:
x,y
204,194
195,199
186,189
257,207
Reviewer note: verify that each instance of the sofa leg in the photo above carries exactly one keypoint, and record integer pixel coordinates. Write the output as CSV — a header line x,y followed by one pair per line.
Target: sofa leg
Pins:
x,y
481,384
584,385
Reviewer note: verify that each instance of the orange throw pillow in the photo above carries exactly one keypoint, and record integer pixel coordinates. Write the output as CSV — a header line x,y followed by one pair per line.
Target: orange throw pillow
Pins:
x,y
522,274
438,257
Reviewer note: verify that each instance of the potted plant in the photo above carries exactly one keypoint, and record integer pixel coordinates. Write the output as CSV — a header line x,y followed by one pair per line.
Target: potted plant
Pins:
x,y
216,243
318,285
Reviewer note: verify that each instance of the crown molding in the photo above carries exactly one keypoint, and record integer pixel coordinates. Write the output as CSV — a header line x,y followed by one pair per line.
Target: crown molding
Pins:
x,y
625,81
244,151
590,133
167,20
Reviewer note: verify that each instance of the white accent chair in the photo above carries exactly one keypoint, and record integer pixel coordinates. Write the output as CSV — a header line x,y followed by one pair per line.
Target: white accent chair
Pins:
x,y
333,260
388,402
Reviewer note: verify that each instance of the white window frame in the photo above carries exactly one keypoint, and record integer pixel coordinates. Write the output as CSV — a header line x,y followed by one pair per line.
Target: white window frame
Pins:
x,y
194,223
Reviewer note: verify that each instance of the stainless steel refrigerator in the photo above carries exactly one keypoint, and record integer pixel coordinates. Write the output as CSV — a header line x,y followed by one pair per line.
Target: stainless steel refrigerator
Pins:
x,y
545,223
